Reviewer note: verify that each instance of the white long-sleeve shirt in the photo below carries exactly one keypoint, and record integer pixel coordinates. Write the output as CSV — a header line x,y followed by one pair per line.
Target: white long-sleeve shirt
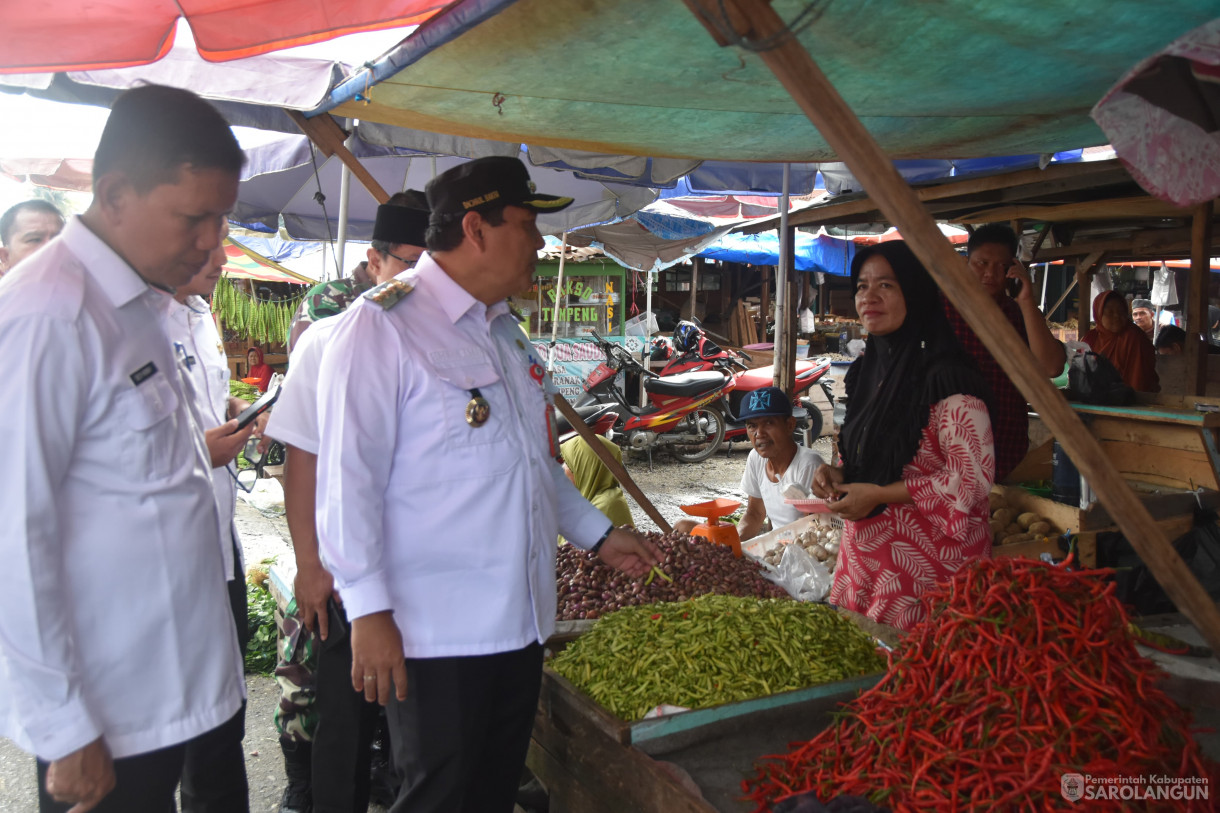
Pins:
x,y
191,327
114,617
295,418
451,526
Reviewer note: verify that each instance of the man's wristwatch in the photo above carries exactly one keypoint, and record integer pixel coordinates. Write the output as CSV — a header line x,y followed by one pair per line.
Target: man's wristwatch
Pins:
x,y
597,546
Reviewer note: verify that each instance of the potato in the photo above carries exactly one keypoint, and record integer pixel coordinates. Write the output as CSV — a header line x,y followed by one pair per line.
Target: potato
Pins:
x,y
996,501
1012,529
1027,519
996,529
1042,528
1017,539
1004,515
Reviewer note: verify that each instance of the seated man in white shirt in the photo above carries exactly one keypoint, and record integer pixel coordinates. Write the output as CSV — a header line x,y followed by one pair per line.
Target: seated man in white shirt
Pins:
x,y
117,643
775,462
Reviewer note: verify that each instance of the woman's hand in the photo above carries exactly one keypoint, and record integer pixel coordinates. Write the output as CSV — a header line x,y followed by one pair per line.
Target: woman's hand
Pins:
x,y
826,482
858,500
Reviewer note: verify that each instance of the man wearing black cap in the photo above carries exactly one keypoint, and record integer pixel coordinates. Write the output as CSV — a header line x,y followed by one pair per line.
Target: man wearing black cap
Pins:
x,y
1143,314
776,461
440,496
327,766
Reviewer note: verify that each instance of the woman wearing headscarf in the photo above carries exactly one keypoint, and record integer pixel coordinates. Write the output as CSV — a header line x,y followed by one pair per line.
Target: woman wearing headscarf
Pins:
x,y
594,480
1122,342
260,373
917,457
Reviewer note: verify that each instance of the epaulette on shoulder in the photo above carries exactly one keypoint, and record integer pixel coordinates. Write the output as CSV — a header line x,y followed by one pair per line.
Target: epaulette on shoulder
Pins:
x,y
389,293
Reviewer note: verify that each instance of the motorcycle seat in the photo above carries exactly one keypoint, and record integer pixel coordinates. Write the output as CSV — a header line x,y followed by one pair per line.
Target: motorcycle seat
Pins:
x,y
688,384
589,413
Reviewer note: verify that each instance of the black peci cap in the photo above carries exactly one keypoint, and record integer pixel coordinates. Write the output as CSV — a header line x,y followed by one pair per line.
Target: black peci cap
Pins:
x,y
483,182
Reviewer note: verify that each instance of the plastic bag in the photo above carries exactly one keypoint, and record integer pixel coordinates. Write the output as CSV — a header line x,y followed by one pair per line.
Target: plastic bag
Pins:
x,y
1092,379
808,322
805,578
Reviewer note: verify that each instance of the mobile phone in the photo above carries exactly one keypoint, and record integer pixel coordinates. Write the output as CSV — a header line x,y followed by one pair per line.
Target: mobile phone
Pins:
x,y
250,413
1012,286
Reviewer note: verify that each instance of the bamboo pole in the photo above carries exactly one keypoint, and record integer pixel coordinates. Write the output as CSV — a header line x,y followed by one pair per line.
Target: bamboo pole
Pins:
x,y
1196,301
616,468
844,133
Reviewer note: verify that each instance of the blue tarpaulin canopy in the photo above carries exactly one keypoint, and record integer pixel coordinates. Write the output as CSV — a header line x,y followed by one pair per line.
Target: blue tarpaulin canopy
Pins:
x,y
820,253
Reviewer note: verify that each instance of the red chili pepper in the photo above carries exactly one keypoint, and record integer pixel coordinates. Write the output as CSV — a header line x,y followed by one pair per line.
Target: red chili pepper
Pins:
x,y
953,725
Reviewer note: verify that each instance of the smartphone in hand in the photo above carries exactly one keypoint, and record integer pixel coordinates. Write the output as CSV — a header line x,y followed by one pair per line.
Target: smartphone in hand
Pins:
x,y
251,413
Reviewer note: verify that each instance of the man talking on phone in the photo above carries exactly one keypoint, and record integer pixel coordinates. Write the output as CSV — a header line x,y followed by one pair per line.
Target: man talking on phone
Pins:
x,y
991,254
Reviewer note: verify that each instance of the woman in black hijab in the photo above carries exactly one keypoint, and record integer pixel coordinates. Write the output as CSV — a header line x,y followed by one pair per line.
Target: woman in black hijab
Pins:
x,y
918,459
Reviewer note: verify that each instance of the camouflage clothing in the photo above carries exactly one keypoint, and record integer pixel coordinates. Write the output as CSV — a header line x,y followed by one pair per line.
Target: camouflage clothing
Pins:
x,y
295,717
328,299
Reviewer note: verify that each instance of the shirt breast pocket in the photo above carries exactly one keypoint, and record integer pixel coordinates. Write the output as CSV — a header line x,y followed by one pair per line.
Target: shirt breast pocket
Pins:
x,y
147,413
457,383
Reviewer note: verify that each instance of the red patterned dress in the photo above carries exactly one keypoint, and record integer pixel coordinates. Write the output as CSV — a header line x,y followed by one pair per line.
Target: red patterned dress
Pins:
x,y
888,561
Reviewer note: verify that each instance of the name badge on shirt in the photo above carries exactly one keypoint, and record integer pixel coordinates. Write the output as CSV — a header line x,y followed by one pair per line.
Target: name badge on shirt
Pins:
x,y
143,374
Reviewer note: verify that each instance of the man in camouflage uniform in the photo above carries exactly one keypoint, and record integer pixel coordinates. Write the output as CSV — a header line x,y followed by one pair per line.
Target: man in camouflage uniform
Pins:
x,y
328,299
303,628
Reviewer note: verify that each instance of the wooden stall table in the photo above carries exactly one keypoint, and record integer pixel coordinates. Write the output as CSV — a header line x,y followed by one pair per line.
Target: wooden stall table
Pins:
x,y
1164,448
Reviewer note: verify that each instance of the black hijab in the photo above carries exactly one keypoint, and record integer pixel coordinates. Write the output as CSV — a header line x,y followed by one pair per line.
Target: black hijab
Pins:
x,y
891,388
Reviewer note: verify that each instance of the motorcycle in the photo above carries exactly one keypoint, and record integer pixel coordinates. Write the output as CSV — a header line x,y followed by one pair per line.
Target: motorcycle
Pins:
x,y
601,418
695,351
682,413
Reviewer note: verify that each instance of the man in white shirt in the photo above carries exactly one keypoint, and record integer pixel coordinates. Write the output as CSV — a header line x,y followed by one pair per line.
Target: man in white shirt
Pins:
x,y
214,773
117,644
775,462
26,227
439,496
335,769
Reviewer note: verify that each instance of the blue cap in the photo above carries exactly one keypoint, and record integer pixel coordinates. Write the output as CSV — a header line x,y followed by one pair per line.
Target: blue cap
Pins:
x,y
766,403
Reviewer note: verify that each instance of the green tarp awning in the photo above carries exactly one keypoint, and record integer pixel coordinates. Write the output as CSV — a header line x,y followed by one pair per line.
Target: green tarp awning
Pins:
x,y
949,79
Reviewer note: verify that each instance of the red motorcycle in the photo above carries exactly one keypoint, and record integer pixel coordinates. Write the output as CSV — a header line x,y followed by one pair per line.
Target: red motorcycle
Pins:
x,y
695,351
682,413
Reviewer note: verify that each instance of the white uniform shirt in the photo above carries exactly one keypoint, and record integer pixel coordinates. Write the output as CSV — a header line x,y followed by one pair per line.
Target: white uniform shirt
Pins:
x,y
114,617
295,418
196,342
450,526
755,483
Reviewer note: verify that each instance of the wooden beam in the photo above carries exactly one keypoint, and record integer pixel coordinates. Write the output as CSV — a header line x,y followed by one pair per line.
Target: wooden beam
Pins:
x,y
1196,300
326,133
1042,235
849,139
1016,186
1148,241
695,265
1114,208
765,303
616,468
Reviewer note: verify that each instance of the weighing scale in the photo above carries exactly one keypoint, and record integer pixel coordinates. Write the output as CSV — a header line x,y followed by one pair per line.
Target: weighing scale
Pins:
x,y
720,533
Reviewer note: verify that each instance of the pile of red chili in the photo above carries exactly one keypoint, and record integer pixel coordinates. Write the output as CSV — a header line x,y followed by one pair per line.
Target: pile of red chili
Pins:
x,y
1023,672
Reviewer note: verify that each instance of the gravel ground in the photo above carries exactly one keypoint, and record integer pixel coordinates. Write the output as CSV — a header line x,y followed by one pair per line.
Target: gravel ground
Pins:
x,y
667,482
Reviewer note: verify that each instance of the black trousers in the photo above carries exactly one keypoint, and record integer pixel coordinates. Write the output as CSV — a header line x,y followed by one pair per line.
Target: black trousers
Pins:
x,y
214,771
461,736
342,742
144,783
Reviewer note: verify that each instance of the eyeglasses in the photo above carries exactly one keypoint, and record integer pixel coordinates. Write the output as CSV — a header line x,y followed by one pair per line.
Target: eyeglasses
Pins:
x,y
403,260
248,476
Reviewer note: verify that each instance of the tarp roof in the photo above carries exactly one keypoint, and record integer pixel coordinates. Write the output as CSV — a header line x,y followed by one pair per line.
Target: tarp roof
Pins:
x,y
811,253
643,77
64,35
242,262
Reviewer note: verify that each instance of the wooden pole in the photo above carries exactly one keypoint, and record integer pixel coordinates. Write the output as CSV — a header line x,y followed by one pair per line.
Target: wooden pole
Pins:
x,y
694,286
1196,301
849,139
764,303
1089,262
616,468
1084,295
326,133
783,370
